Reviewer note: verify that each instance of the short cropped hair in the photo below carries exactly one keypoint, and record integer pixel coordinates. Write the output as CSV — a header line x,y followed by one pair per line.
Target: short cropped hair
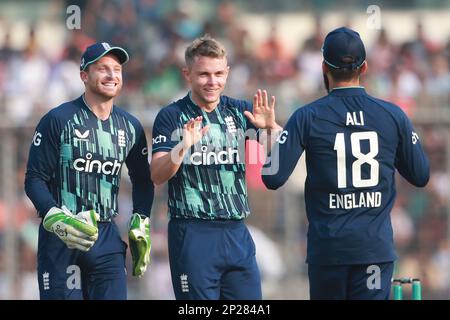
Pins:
x,y
204,46
344,74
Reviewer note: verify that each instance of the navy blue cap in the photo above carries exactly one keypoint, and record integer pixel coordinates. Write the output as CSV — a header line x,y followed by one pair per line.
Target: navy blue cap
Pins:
x,y
98,50
343,43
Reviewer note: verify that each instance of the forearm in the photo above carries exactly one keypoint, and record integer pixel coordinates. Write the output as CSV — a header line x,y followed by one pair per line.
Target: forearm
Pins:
x,y
283,158
282,162
37,190
164,167
142,194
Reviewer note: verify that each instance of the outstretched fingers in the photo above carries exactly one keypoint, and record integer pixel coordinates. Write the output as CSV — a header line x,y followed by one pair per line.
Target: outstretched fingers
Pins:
x,y
204,130
198,122
193,123
272,103
256,101
250,116
265,100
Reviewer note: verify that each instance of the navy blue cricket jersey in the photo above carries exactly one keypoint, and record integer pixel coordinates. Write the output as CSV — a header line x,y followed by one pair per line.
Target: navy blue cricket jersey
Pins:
x,y
76,159
210,184
353,143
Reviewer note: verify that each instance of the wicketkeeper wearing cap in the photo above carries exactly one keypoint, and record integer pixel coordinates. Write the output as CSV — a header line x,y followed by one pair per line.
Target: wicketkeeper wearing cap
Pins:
x,y
354,143
73,177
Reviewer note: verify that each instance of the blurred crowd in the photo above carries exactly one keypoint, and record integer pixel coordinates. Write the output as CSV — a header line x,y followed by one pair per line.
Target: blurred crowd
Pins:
x,y
414,74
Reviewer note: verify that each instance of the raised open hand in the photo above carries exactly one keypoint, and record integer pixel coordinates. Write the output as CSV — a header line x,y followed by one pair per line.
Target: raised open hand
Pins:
x,y
193,132
263,115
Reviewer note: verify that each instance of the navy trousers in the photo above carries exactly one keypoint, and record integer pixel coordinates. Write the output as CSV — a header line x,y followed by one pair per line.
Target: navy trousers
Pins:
x,y
350,282
211,260
70,274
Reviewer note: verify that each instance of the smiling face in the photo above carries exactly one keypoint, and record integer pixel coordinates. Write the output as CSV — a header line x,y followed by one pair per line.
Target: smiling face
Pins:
x,y
103,77
207,77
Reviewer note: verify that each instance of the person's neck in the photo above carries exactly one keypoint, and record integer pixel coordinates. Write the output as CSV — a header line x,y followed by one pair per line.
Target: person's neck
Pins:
x,y
208,107
344,84
100,106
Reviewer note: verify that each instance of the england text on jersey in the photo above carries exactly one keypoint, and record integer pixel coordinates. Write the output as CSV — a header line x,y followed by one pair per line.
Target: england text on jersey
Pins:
x,y
355,200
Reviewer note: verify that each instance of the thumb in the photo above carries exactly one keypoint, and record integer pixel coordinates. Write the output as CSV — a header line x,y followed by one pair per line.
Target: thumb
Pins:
x,y
96,216
204,130
249,116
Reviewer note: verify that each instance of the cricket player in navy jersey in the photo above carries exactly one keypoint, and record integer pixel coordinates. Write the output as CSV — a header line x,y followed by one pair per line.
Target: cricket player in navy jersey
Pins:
x,y
73,177
199,148
353,144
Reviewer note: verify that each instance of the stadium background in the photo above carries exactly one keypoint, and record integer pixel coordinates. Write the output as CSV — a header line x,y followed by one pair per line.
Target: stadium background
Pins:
x,y
271,44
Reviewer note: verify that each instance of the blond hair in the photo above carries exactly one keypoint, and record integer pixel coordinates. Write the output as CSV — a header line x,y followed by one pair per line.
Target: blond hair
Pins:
x,y
205,46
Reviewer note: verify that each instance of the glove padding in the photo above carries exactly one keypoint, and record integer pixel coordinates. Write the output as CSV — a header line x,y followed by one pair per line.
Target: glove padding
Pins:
x,y
76,231
140,244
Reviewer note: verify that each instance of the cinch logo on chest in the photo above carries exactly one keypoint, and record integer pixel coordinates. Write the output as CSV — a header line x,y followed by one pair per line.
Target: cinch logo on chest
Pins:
x,y
228,156
88,165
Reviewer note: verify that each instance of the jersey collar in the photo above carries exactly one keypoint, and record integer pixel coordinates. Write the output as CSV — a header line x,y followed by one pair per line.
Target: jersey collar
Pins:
x,y
189,96
348,91
83,102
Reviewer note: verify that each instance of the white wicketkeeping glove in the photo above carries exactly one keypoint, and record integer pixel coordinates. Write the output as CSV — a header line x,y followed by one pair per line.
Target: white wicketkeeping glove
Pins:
x,y
77,231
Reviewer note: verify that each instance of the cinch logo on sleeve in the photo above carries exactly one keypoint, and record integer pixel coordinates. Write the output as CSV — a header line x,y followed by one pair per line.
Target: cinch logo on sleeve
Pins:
x,y
88,165
159,139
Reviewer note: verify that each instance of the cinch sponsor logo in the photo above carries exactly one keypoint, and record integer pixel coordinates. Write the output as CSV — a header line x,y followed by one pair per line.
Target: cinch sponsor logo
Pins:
x,y
88,165
229,156
159,139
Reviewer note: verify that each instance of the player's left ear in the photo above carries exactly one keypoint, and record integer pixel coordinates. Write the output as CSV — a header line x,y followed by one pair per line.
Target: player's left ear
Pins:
x,y
364,68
